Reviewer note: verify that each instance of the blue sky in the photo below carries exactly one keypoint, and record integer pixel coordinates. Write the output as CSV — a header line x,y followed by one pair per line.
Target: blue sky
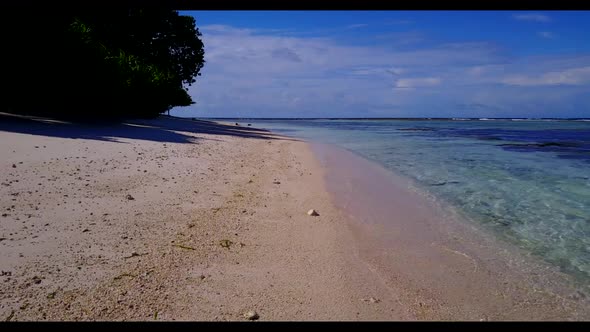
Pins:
x,y
392,64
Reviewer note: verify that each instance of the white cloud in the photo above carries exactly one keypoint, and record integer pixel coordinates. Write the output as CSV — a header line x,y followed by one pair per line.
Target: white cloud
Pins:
x,y
379,71
573,76
405,83
532,17
396,71
357,26
215,27
223,28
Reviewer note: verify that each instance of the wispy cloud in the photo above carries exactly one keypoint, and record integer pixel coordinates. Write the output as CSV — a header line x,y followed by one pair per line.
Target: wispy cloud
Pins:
x,y
408,83
286,53
402,37
532,17
357,26
220,28
379,71
546,34
572,76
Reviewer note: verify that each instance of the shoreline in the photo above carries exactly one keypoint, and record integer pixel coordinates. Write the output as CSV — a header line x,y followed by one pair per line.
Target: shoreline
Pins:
x,y
217,226
447,267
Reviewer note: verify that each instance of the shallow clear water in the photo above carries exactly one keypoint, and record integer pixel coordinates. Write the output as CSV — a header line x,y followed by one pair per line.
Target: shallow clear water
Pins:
x,y
527,181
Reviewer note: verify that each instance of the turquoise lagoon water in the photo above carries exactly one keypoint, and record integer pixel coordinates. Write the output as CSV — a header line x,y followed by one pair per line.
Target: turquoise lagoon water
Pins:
x,y
526,181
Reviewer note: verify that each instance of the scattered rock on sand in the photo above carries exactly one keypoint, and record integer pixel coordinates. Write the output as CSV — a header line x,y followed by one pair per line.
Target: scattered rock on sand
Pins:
x,y
313,212
133,254
13,166
251,315
225,243
36,280
372,300
129,197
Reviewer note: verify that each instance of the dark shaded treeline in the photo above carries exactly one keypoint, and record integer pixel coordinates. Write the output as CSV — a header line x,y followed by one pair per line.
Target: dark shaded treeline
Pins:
x,y
165,129
97,62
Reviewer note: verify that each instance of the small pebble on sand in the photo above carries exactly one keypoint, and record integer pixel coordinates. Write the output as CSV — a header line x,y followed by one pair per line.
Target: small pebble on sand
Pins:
x,y
251,315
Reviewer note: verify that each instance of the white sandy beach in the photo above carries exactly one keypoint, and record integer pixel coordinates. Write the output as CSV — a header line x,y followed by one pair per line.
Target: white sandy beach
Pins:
x,y
173,219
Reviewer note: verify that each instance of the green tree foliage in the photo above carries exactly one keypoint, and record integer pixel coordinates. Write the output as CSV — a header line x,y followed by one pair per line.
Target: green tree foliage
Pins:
x,y
116,63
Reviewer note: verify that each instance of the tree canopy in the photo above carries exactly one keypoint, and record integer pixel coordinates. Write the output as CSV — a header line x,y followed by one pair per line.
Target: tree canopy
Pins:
x,y
99,63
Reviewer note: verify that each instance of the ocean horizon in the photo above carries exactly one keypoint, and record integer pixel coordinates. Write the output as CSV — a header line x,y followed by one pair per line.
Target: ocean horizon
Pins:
x,y
393,118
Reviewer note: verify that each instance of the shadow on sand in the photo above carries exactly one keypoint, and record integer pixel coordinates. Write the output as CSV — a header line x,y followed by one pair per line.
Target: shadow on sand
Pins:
x,y
162,129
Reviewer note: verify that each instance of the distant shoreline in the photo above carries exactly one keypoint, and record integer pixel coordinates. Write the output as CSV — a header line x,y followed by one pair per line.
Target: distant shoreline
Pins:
x,y
400,119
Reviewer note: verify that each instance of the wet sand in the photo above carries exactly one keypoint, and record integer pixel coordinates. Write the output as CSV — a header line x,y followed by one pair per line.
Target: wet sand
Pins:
x,y
173,219
441,265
